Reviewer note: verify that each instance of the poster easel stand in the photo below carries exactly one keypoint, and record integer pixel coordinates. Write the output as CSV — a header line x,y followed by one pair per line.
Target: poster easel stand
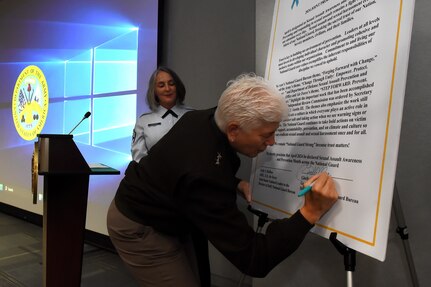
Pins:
x,y
262,219
349,257
404,234
350,254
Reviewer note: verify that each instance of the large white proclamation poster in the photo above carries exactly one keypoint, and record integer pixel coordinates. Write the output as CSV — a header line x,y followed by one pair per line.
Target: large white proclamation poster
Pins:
x,y
341,66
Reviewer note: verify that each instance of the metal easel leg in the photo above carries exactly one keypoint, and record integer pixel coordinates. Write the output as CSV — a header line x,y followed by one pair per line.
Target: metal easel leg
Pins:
x,y
349,257
263,218
404,234
241,280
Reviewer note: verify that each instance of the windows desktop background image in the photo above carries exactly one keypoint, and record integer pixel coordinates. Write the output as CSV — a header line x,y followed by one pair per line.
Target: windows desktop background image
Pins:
x,y
96,56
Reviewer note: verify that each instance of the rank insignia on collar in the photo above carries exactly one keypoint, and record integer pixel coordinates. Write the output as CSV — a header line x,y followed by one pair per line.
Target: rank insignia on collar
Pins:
x,y
218,158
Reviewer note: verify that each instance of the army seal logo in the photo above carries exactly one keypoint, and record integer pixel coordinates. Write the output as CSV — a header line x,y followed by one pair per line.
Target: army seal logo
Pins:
x,y
30,102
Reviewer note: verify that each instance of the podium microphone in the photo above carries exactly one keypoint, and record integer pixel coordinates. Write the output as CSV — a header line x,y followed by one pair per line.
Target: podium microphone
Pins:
x,y
87,114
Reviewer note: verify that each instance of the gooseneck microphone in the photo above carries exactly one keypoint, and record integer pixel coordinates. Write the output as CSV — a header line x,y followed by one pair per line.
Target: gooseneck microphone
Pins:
x,y
87,114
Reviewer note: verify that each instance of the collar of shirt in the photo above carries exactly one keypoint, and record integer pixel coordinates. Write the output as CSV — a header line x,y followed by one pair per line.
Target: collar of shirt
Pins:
x,y
162,110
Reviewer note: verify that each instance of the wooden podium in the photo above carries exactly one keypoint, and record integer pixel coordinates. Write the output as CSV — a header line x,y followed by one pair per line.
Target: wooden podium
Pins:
x,y
66,179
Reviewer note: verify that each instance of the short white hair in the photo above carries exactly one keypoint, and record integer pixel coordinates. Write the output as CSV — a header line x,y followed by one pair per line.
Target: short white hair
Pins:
x,y
251,101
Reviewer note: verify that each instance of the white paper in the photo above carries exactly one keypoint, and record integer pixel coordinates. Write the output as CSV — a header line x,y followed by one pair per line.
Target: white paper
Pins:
x,y
97,165
341,66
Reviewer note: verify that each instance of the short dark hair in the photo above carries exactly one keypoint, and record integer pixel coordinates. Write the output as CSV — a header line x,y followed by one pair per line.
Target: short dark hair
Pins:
x,y
152,99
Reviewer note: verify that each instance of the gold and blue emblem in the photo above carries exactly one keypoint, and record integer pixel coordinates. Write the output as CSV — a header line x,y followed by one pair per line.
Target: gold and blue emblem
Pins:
x,y
30,102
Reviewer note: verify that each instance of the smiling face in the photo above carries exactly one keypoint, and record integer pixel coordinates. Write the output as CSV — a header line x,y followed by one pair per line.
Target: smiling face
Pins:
x,y
254,141
166,90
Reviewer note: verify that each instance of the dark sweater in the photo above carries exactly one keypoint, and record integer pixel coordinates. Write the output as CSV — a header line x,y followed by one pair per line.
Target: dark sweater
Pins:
x,y
188,180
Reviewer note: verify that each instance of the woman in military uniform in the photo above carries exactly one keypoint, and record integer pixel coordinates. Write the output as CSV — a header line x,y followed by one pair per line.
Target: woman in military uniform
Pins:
x,y
165,97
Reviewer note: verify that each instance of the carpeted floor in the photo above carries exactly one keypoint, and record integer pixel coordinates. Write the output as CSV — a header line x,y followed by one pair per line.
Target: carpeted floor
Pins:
x,y
21,259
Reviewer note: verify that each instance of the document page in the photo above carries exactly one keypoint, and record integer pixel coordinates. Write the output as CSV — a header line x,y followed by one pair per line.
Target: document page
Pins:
x,y
341,66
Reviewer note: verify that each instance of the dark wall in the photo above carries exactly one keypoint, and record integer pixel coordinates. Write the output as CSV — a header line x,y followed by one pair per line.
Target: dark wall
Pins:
x,y
209,43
